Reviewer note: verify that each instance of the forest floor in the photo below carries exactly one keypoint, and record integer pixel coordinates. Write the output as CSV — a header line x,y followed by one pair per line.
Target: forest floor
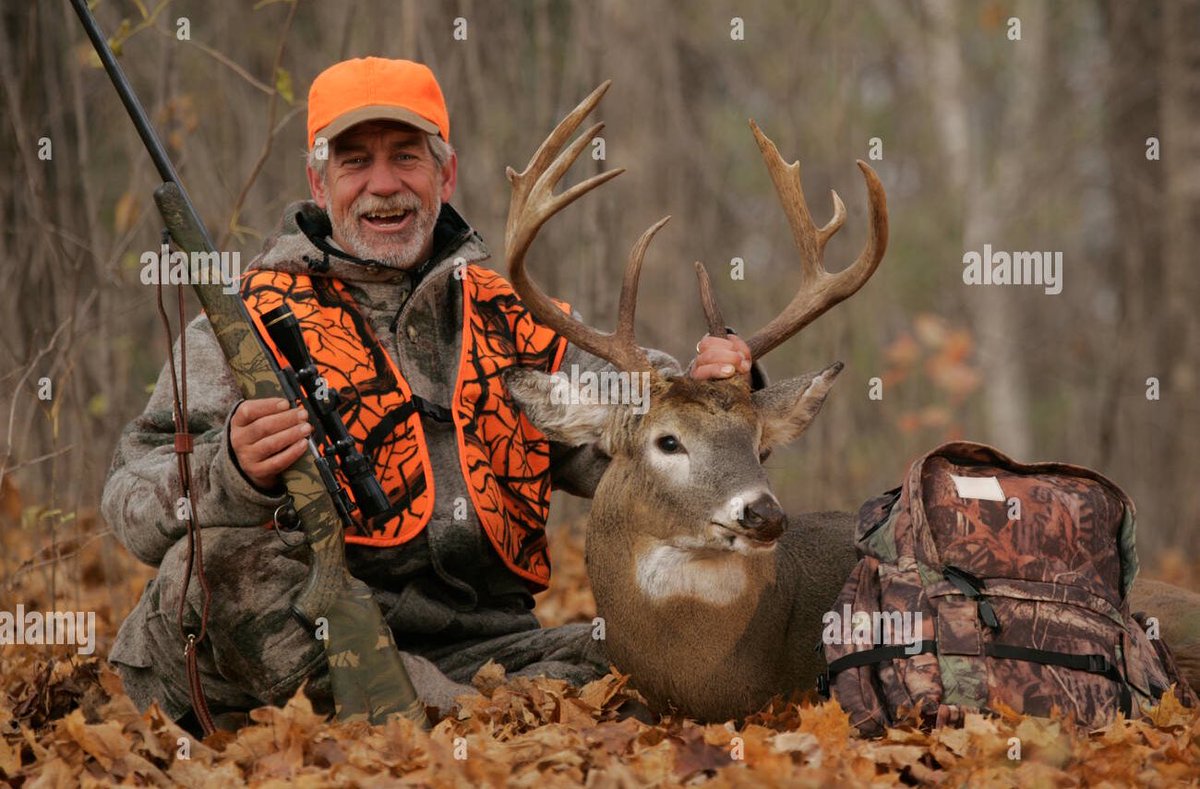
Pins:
x,y
65,720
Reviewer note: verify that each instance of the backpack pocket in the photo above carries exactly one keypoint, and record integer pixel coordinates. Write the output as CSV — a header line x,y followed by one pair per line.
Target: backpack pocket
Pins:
x,y
851,676
1049,654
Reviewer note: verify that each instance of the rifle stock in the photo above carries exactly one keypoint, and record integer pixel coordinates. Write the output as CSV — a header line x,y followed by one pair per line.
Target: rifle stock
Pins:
x,y
367,675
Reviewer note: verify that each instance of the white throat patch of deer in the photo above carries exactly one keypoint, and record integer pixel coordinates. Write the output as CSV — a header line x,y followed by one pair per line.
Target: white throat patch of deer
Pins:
x,y
714,569
712,599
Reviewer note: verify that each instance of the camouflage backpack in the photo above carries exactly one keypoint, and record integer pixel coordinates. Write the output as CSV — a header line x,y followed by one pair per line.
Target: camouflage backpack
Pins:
x,y
983,581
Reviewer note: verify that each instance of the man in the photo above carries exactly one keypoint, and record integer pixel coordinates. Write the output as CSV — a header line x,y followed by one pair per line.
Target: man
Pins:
x,y
383,275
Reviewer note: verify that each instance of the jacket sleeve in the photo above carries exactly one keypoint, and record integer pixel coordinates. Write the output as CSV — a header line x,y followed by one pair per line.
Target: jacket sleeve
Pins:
x,y
142,491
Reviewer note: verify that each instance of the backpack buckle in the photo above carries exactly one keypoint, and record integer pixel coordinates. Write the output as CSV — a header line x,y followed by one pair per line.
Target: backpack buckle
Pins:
x,y
971,587
1098,664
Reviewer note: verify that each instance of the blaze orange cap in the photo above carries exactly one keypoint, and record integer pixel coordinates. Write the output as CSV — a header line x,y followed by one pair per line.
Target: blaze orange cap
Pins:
x,y
365,89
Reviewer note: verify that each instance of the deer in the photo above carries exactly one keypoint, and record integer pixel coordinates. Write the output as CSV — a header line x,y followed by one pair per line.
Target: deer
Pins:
x,y
711,595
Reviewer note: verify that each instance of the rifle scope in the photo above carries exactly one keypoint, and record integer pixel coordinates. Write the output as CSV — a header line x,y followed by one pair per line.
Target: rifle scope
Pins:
x,y
322,403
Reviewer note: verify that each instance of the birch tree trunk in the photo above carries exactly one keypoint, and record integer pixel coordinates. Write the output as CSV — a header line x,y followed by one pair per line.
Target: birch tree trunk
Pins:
x,y
989,189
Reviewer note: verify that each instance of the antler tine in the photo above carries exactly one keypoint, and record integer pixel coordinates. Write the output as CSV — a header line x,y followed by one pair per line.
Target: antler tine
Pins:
x,y
712,311
819,290
535,184
627,305
533,202
807,235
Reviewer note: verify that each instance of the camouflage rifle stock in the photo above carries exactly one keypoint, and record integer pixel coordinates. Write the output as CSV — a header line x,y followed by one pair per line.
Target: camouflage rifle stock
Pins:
x,y
367,675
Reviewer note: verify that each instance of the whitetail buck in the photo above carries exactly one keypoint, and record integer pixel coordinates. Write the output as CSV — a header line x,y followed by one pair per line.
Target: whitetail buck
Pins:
x,y
712,597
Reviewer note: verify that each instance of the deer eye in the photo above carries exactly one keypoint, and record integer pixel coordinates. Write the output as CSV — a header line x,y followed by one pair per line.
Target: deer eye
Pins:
x,y
763,454
668,444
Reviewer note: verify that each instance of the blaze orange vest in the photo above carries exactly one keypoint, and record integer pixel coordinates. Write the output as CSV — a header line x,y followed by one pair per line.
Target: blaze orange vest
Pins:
x,y
505,459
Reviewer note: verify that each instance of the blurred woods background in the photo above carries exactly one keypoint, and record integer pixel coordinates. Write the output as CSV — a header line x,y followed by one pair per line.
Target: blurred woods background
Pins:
x,y
1033,144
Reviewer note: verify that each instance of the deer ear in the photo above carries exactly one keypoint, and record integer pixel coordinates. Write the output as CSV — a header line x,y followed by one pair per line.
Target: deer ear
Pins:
x,y
787,408
551,403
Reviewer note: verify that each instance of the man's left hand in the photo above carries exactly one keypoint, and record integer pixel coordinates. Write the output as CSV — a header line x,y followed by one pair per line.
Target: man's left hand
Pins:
x,y
719,357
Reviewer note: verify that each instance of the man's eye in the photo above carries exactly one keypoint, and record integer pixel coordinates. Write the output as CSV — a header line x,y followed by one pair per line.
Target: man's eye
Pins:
x,y
669,444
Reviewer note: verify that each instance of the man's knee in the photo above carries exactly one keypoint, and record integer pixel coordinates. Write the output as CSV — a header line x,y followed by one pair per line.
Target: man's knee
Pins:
x,y
255,649
247,569
257,640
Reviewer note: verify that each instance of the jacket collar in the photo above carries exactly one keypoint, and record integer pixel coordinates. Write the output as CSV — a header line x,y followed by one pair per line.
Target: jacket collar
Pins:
x,y
302,245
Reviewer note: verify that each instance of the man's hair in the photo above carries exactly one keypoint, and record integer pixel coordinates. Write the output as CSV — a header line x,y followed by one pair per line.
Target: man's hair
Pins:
x,y
438,148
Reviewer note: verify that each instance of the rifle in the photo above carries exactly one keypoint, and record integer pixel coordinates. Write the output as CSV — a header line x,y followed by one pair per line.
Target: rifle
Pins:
x,y
367,675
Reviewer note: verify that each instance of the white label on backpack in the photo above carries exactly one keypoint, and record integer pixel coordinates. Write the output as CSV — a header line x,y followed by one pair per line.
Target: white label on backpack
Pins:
x,y
986,488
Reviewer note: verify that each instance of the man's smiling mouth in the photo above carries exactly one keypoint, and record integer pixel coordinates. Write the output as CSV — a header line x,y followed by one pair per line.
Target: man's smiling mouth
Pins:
x,y
387,221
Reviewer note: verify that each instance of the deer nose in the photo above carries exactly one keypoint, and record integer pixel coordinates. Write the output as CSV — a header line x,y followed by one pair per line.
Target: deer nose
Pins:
x,y
764,517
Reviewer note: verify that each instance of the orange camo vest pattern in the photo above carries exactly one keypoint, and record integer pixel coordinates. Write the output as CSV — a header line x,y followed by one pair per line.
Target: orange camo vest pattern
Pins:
x,y
505,459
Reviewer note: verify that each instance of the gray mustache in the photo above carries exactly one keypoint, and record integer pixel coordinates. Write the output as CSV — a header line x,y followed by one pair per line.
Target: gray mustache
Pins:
x,y
371,205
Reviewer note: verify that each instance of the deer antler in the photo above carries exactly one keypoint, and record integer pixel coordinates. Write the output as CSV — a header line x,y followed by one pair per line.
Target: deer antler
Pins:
x,y
708,301
819,290
534,202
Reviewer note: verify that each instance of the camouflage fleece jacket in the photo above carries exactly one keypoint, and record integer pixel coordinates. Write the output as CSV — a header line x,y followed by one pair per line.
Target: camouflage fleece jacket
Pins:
x,y
445,585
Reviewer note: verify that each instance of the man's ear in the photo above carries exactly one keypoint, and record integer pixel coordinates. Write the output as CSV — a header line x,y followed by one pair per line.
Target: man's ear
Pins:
x,y
316,185
788,407
449,177
554,406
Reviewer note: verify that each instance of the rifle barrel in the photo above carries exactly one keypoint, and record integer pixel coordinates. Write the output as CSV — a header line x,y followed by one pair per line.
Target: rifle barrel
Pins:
x,y
137,113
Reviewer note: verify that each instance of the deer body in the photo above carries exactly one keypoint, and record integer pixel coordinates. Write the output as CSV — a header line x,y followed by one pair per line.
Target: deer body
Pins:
x,y
711,600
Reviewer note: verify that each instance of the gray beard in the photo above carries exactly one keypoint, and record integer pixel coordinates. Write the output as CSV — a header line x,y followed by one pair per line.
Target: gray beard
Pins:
x,y
400,254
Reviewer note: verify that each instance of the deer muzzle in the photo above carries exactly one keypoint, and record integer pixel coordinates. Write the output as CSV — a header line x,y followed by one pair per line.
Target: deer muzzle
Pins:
x,y
763,519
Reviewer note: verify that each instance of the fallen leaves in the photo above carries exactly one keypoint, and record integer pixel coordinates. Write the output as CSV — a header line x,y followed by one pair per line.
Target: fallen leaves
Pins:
x,y
544,732
66,721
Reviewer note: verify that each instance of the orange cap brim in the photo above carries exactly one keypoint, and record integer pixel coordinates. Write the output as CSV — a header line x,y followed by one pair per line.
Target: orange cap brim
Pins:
x,y
376,112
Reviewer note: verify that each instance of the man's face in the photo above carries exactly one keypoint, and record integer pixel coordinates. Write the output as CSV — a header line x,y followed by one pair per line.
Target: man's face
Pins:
x,y
383,191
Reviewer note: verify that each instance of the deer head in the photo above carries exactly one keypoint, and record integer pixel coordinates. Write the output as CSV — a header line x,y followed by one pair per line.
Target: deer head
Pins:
x,y
686,476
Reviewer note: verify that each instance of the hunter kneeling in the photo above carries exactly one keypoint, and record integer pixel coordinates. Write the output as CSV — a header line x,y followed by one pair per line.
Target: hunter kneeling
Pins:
x,y
383,275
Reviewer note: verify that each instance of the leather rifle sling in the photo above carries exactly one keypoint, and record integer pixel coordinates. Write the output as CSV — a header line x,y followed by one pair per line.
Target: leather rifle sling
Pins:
x,y
195,553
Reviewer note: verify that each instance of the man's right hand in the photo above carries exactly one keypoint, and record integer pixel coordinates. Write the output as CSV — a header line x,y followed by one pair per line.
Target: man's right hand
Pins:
x,y
267,436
